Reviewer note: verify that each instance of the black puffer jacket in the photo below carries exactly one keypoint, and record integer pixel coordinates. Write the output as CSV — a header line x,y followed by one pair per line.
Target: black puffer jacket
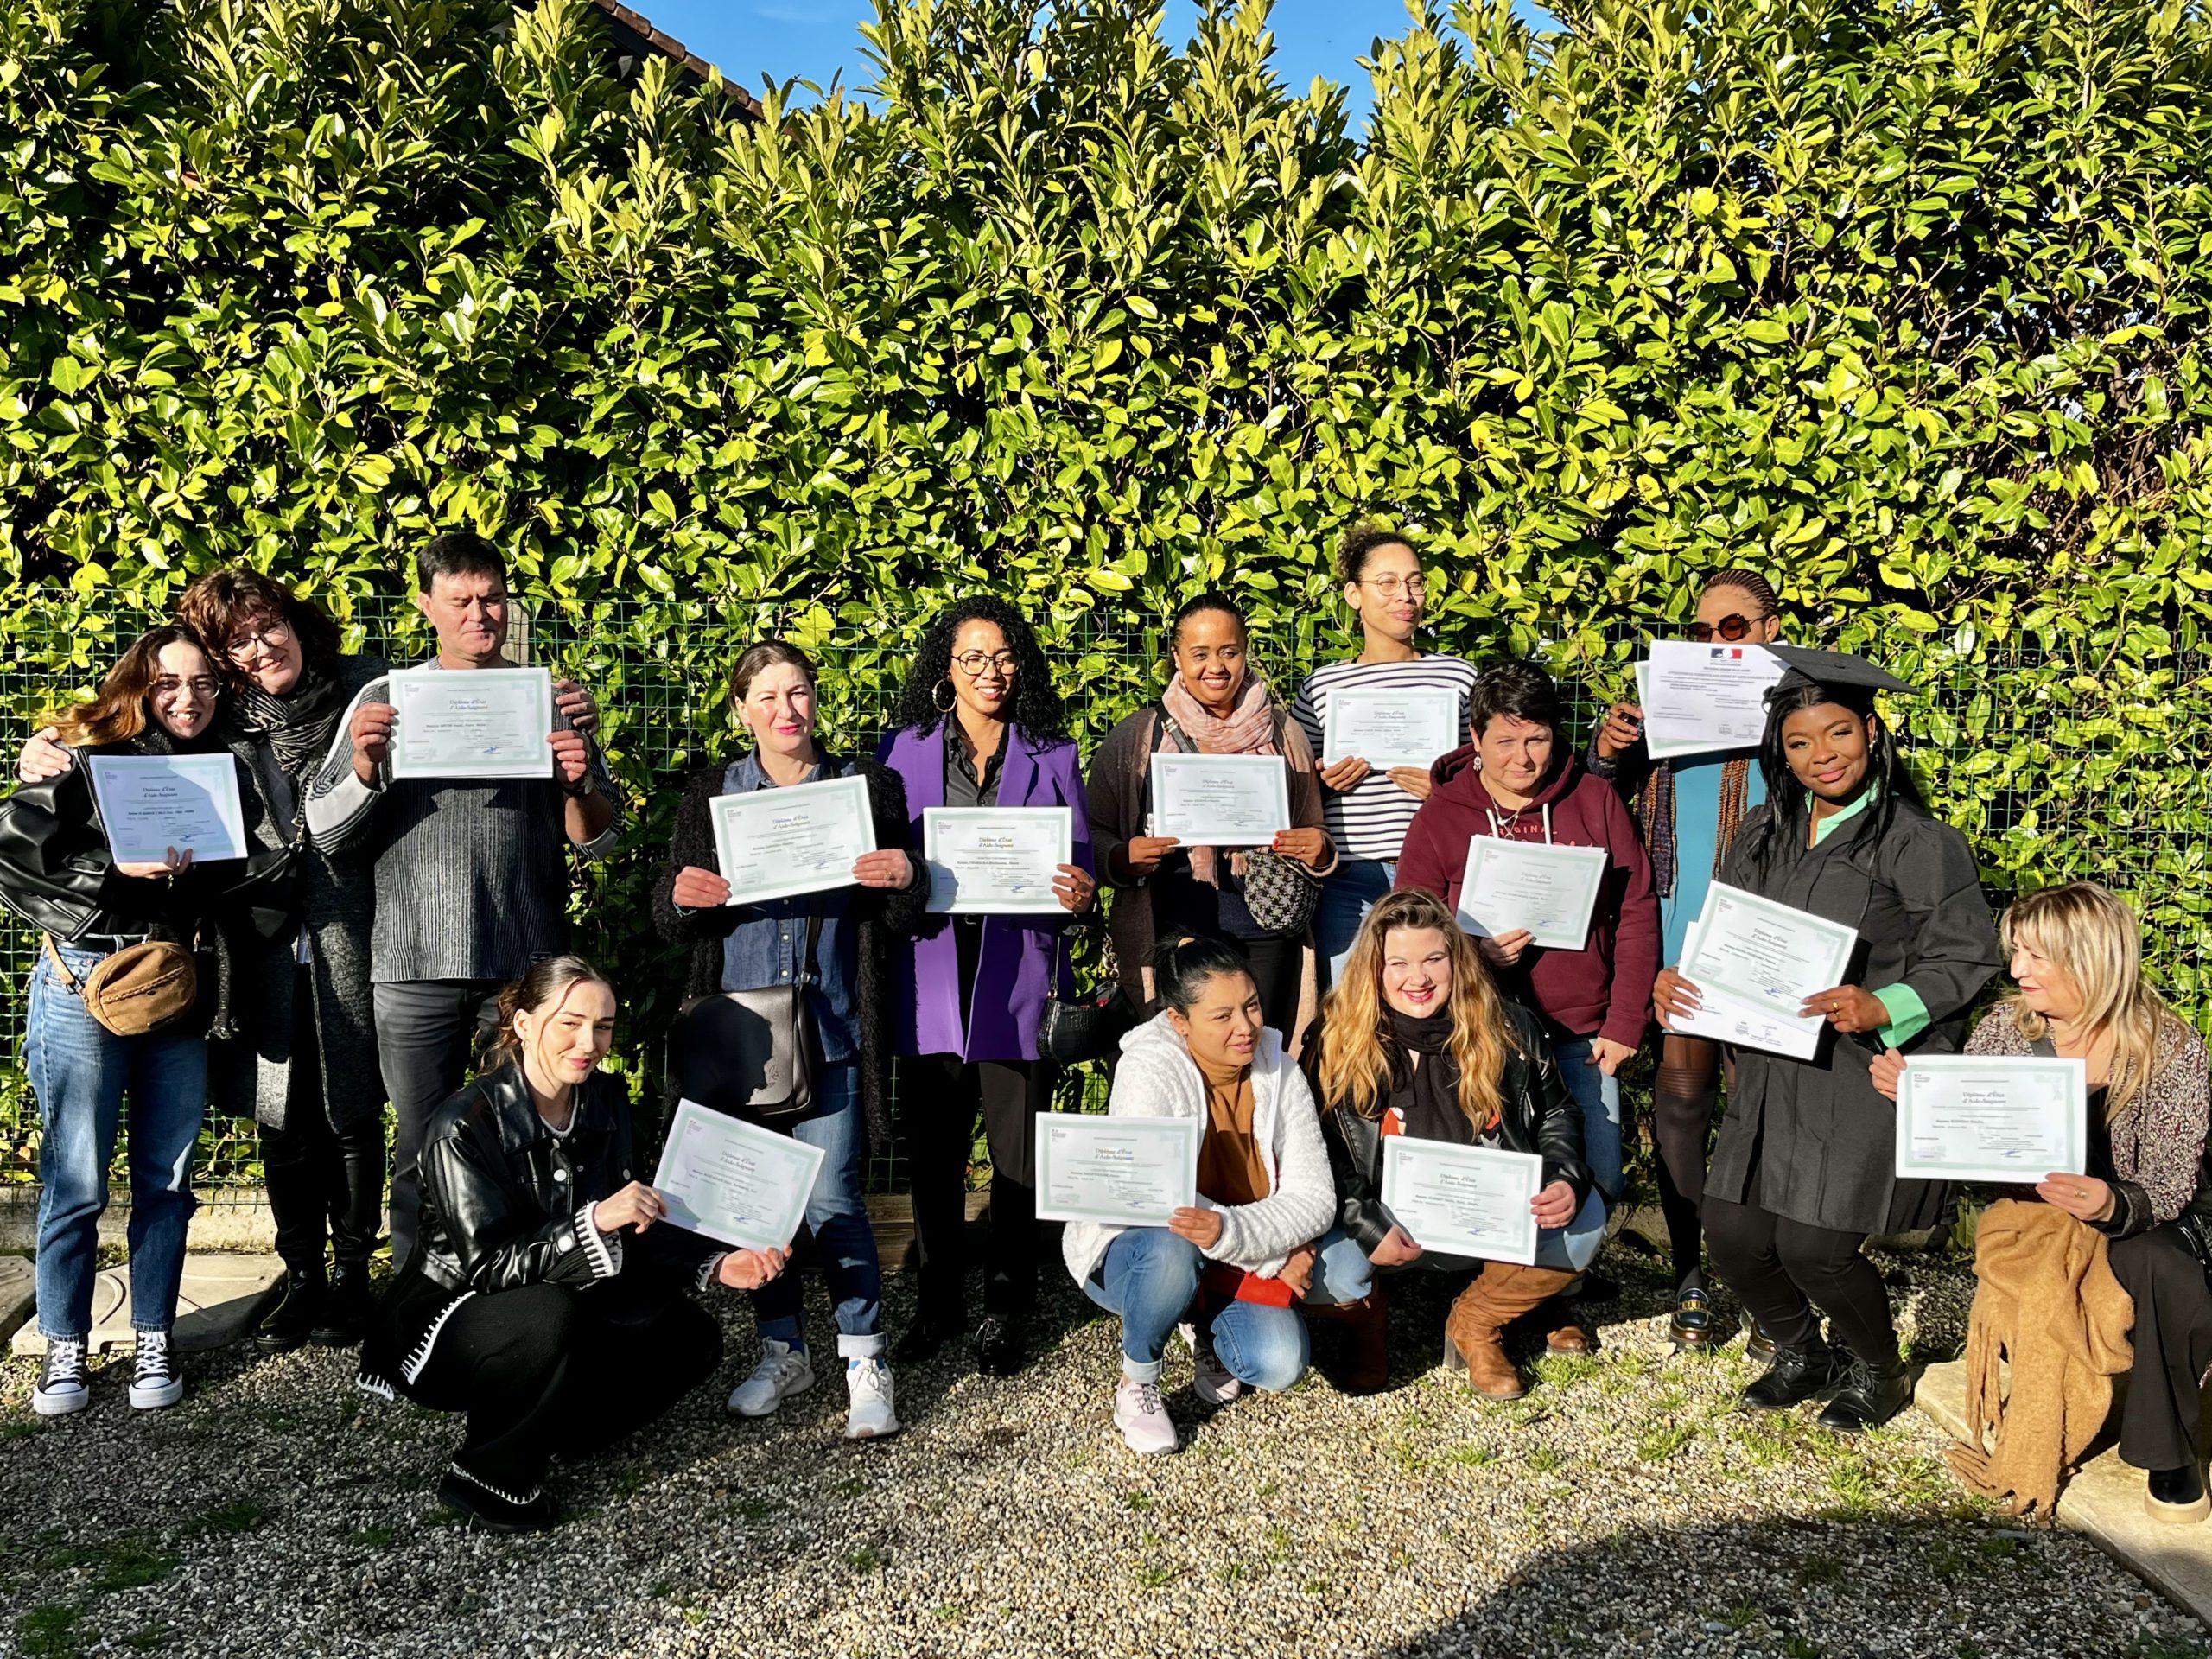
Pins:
x,y
1538,1116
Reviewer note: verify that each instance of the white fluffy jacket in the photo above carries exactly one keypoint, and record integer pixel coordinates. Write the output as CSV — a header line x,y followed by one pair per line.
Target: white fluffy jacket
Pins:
x,y
1157,1078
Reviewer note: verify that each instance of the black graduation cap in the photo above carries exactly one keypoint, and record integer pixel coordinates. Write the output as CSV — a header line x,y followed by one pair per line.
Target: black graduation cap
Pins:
x,y
1832,668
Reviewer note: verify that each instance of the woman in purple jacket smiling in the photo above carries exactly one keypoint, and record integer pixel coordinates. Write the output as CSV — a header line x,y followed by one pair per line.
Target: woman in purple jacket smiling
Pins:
x,y
979,725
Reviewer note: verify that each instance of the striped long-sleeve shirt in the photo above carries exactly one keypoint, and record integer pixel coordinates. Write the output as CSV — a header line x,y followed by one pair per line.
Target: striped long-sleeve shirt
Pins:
x,y
471,878
1370,821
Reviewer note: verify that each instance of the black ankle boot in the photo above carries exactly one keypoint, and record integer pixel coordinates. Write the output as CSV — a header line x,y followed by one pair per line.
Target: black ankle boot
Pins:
x,y
1795,1375
345,1317
1872,1395
2177,1496
1001,1344
292,1321
932,1328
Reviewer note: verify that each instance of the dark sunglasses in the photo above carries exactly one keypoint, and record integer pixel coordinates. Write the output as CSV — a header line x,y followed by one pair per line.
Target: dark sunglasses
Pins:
x,y
1731,627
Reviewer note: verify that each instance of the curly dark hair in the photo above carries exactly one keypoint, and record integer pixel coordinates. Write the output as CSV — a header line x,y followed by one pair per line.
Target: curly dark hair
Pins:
x,y
1037,710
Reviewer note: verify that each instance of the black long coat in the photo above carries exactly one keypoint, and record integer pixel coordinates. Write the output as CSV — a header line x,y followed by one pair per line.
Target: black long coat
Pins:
x,y
1813,1141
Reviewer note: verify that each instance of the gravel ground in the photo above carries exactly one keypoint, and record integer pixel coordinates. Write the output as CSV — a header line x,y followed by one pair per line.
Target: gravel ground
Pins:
x,y
1625,1507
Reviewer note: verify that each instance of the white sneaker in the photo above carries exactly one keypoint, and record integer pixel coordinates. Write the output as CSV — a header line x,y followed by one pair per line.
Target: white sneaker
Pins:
x,y
154,1379
1142,1415
871,1415
784,1371
62,1388
1211,1381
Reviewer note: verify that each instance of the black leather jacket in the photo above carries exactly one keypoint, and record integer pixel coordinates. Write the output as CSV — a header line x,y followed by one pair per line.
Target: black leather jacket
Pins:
x,y
1538,1116
505,1202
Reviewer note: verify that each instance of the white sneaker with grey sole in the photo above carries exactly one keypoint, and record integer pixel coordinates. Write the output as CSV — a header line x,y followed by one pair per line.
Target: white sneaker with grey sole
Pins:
x,y
1142,1415
784,1371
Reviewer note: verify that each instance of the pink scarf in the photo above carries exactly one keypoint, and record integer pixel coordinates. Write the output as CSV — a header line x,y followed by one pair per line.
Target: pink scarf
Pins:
x,y
1249,730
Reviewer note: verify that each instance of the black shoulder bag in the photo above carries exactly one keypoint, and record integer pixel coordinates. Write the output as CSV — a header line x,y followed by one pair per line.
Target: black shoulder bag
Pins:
x,y
755,1054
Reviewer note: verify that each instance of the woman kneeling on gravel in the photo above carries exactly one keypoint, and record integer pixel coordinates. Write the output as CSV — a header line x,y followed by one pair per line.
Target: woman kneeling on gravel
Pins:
x,y
1415,1040
536,1299
1235,1264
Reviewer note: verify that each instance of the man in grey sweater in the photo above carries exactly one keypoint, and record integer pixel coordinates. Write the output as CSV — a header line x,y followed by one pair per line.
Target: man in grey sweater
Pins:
x,y
472,876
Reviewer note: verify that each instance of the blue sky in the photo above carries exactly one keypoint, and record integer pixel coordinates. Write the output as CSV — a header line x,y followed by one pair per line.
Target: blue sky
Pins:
x,y
814,40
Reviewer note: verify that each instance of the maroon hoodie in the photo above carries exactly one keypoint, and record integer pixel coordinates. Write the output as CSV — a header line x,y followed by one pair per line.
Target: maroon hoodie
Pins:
x,y
1603,989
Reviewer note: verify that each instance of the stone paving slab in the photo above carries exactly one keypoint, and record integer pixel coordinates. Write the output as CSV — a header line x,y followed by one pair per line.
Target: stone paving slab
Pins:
x,y
221,1297
18,1293
2105,1500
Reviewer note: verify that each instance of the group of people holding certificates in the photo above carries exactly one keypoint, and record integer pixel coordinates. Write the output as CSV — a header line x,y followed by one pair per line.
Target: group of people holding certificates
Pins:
x,y
1380,953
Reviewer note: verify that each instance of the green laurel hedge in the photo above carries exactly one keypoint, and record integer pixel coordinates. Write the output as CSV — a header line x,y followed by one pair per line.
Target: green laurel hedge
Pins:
x,y
1903,305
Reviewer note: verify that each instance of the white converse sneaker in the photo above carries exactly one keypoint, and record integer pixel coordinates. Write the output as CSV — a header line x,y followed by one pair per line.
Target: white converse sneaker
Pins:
x,y
1142,1415
1211,1380
62,1388
871,1415
155,1380
784,1371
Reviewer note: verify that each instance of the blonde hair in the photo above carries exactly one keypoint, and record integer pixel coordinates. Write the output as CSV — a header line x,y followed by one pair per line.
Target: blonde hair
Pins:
x,y
1356,1034
2093,937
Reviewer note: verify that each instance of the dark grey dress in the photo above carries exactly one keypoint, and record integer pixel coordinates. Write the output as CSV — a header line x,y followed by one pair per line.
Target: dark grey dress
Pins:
x,y
1813,1142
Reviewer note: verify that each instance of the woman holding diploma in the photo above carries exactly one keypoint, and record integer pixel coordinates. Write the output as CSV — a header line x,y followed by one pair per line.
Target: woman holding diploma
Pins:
x,y
1689,808
748,946
1804,1170
1414,1040
1517,781
540,1298
58,872
1235,1263
1367,808
979,726
1215,704
2077,957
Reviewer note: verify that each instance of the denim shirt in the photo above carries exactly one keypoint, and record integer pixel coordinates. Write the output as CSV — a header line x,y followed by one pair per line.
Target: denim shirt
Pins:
x,y
768,945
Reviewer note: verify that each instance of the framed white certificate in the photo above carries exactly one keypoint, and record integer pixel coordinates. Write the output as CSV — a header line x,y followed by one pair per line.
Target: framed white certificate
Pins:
x,y
1124,1172
776,843
150,803
1551,891
481,722
1972,1117
996,860
1700,697
734,1180
1390,728
1462,1200
1762,955
1220,800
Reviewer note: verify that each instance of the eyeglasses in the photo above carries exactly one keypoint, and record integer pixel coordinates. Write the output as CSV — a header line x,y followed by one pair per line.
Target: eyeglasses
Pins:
x,y
201,687
1732,626
270,641
973,662
1391,587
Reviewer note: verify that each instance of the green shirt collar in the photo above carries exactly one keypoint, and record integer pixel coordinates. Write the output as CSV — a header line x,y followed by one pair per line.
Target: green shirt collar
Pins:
x,y
1826,826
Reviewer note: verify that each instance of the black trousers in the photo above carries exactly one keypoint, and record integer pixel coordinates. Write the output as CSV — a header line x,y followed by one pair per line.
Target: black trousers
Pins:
x,y
326,1185
1782,1270
940,1120
427,1031
2173,1347
1278,968
549,1369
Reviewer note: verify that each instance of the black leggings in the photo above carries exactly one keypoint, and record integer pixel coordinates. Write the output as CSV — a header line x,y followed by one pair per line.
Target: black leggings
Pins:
x,y
939,1118
1684,1094
326,1185
2173,1347
548,1369
1781,1270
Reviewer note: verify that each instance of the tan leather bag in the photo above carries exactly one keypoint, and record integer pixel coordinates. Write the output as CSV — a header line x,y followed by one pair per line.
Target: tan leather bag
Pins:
x,y
139,988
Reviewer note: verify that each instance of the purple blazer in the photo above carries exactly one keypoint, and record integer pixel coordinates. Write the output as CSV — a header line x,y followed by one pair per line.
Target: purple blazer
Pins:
x,y
1013,970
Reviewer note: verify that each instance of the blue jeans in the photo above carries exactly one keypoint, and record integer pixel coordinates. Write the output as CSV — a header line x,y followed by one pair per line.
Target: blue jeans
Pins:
x,y
81,1071
1343,1273
1346,897
1599,1097
837,1215
1149,1279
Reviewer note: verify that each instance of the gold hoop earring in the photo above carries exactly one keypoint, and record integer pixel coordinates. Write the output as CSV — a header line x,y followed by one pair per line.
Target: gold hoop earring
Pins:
x,y
945,685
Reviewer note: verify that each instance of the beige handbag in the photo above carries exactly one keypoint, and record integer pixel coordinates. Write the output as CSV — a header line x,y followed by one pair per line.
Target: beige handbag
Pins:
x,y
139,988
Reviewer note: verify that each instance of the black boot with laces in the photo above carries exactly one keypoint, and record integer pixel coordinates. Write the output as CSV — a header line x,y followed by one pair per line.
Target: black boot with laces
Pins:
x,y
1874,1392
1795,1375
292,1321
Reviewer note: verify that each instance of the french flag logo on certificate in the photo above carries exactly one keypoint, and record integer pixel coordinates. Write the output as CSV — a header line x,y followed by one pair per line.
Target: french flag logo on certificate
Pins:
x,y
1728,653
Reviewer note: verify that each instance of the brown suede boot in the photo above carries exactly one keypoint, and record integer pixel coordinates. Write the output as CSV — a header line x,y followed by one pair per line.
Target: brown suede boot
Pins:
x,y
1364,1326
1501,1293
